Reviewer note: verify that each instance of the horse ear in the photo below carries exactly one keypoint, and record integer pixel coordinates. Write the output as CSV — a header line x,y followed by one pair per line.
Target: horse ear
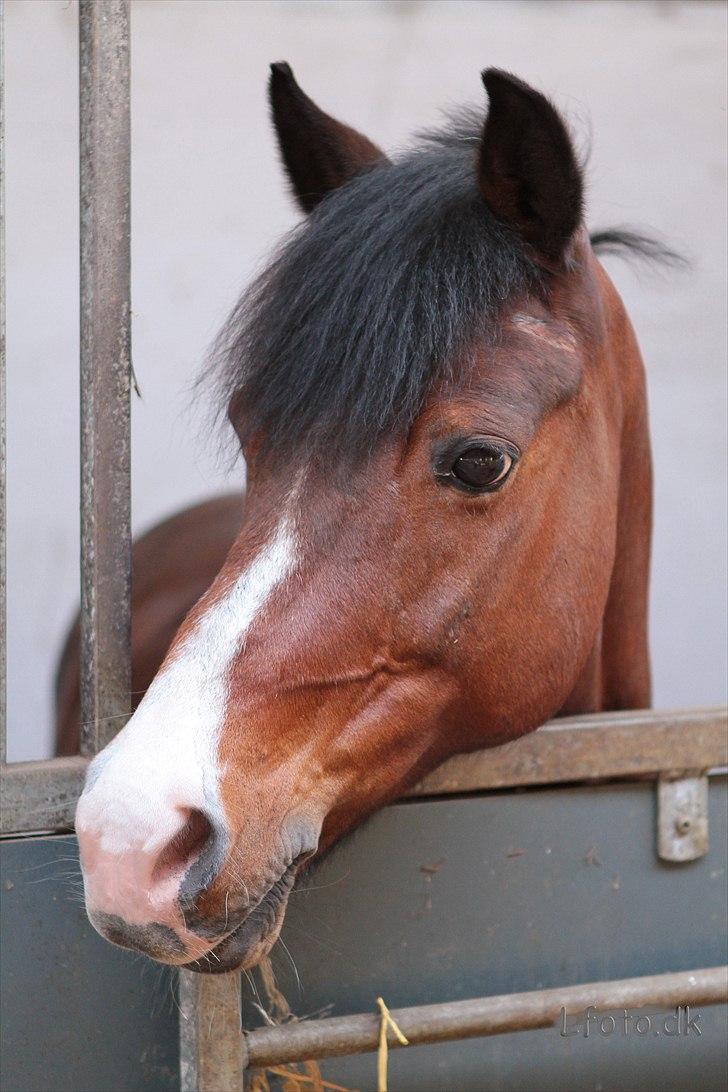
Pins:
x,y
319,153
528,170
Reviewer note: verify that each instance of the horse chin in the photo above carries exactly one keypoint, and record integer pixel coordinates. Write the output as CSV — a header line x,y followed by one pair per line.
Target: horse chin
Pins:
x,y
250,941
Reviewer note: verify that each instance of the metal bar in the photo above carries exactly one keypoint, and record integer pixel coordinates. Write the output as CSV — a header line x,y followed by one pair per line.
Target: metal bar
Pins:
x,y
105,370
211,1038
483,1016
3,451
568,751
593,748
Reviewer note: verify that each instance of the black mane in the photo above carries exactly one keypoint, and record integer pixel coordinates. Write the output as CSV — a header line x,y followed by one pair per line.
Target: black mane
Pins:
x,y
370,301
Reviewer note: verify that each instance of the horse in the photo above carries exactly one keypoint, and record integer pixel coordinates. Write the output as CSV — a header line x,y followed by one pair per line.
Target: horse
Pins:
x,y
445,537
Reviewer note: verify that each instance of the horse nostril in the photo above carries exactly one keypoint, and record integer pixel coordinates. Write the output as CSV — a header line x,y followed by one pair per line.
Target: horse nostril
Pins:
x,y
186,846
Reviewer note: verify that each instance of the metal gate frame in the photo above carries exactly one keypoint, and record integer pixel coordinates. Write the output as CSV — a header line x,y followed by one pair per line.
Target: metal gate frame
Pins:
x,y
677,750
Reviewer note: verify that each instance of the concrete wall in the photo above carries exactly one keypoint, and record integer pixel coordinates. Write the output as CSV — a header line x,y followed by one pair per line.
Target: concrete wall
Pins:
x,y
643,83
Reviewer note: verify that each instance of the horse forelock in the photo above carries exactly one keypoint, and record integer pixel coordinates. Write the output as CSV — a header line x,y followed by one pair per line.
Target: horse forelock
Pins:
x,y
372,301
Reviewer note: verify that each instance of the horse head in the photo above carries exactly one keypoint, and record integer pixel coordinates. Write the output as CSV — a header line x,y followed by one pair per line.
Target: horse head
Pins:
x,y
445,538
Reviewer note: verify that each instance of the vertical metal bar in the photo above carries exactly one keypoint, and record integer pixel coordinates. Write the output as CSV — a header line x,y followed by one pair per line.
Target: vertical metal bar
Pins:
x,y
211,1037
105,370
3,509
211,1042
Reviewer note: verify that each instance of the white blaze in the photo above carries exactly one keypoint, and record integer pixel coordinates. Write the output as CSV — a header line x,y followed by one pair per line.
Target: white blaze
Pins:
x,y
165,759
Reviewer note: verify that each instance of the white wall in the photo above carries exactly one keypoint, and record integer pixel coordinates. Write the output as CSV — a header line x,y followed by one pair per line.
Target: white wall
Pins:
x,y
644,81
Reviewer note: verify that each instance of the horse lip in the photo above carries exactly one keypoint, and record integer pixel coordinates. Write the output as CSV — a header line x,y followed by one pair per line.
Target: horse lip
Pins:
x,y
228,954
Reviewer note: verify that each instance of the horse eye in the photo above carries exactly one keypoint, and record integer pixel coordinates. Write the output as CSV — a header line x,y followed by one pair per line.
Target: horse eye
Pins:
x,y
482,467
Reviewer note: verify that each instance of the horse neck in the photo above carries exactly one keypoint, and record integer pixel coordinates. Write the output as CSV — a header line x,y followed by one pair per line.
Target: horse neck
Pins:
x,y
616,674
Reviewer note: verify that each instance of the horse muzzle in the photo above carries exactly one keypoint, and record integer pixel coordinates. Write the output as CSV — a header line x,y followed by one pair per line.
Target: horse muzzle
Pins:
x,y
190,901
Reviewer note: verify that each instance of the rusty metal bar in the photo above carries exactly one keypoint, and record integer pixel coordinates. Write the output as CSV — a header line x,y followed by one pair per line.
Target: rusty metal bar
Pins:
x,y
42,795
480,1017
105,370
211,1037
3,452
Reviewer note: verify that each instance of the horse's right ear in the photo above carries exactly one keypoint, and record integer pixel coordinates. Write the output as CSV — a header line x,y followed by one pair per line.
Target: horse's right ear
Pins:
x,y
319,153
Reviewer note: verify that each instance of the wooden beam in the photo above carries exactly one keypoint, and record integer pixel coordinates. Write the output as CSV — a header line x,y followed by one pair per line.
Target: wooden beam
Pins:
x,y
41,796
595,748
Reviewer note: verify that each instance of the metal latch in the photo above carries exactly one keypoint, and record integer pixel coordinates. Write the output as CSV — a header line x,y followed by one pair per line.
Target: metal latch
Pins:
x,y
682,815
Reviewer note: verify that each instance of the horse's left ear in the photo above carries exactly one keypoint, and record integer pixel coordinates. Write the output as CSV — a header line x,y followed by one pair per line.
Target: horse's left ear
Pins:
x,y
528,171
319,153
